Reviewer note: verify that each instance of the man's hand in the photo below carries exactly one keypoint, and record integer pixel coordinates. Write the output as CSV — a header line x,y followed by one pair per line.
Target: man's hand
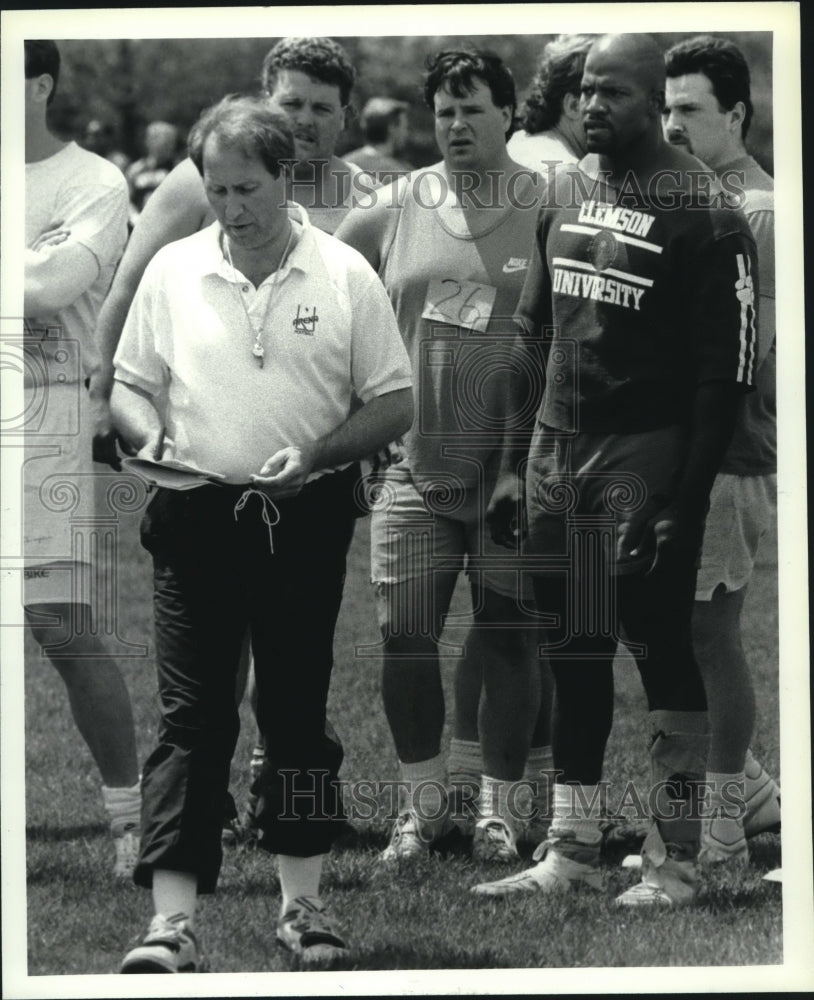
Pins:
x,y
657,537
285,473
391,454
504,513
105,435
153,447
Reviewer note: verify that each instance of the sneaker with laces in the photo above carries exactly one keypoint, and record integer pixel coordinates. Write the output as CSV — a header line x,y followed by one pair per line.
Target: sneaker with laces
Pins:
x,y
127,845
494,841
408,838
563,864
306,930
723,842
669,877
762,802
169,946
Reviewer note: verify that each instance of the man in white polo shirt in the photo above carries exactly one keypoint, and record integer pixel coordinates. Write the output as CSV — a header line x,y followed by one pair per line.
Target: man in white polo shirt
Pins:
x,y
309,81
257,330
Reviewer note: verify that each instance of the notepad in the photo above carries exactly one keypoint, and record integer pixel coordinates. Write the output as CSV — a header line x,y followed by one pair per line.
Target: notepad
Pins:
x,y
171,474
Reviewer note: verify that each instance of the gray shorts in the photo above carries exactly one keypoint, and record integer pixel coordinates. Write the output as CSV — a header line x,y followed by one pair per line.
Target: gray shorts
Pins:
x,y
412,537
58,489
741,512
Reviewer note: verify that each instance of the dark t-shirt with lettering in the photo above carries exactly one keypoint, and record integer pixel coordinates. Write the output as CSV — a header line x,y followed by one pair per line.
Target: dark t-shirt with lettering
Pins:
x,y
641,299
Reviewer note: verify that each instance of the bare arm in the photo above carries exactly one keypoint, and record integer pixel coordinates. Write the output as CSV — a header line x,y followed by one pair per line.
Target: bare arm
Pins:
x,y
177,209
136,419
365,228
366,430
56,276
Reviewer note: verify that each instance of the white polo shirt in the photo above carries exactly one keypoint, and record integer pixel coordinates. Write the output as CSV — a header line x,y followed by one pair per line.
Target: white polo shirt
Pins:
x,y
327,328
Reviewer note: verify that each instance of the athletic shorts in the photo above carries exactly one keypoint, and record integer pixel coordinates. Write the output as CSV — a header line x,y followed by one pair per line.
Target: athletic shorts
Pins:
x,y
58,489
412,537
598,489
740,513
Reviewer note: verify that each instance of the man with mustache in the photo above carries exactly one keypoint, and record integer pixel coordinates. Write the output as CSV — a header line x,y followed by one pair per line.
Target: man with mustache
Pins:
x,y
645,290
708,111
309,81
253,334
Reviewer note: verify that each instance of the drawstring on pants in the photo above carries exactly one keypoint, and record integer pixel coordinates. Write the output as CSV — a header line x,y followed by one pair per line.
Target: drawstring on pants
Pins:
x,y
267,503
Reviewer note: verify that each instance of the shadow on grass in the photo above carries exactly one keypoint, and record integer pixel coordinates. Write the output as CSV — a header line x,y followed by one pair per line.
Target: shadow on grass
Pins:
x,y
60,834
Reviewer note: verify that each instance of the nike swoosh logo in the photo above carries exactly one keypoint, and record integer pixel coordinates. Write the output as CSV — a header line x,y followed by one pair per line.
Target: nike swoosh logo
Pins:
x,y
509,268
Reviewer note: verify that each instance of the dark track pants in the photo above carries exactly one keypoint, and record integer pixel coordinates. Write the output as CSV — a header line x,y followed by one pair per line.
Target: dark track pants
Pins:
x,y
214,576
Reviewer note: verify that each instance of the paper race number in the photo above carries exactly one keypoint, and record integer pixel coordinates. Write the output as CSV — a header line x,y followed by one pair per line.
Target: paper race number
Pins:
x,y
461,303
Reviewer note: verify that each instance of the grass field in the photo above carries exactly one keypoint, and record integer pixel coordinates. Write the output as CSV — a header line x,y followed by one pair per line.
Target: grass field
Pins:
x,y
81,921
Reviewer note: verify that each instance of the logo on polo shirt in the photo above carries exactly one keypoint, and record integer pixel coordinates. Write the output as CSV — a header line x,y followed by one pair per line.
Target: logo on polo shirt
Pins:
x,y
304,322
515,264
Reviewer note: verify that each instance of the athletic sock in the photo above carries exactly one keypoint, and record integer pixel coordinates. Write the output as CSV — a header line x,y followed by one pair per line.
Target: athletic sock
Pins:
x,y
678,756
299,877
175,895
425,792
725,806
539,772
577,813
495,800
123,807
577,808
465,762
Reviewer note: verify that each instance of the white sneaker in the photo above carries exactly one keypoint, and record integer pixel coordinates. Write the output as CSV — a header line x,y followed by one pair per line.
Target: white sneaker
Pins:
x,y
667,878
494,841
308,931
408,838
556,872
723,842
169,946
127,847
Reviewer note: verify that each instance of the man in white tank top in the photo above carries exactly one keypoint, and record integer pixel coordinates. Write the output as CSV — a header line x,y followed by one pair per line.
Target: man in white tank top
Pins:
x,y
452,243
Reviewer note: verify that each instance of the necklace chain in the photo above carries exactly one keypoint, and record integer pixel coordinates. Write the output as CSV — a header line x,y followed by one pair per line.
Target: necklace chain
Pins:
x,y
257,348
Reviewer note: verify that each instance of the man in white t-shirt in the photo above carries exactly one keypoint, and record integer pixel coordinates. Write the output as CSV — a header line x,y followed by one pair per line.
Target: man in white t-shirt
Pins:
x,y
257,330
552,130
76,227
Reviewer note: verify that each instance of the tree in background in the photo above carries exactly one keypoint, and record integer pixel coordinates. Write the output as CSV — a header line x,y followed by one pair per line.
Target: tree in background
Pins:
x,y
130,82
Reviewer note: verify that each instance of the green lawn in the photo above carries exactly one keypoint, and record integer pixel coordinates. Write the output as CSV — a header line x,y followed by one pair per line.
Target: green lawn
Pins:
x,y
80,921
